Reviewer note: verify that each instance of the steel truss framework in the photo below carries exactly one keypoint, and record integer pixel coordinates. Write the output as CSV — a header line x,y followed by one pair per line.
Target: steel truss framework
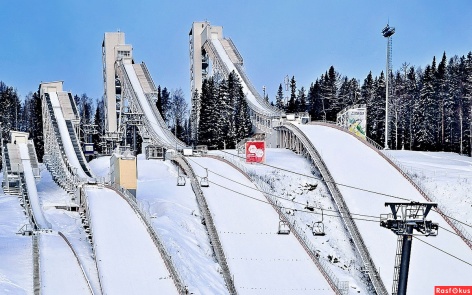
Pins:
x,y
54,158
291,137
131,113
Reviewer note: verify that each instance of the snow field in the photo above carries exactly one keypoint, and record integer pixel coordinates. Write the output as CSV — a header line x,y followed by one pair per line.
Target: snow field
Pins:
x,y
260,260
447,177
177,220
353,163
16,260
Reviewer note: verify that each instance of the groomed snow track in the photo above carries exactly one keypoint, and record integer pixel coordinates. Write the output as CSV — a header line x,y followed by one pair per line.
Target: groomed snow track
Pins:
x,y
260,260
371,171
127,253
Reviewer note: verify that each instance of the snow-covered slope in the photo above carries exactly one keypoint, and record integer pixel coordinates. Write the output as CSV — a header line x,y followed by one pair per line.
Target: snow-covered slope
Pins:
x,y
353,163
446,178
261,261
127,259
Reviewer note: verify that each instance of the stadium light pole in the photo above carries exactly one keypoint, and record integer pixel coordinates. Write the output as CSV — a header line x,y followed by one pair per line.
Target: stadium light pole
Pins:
x,y
387,32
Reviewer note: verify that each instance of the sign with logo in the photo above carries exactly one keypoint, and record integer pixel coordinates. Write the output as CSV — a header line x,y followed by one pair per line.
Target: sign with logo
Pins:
x,y
255,152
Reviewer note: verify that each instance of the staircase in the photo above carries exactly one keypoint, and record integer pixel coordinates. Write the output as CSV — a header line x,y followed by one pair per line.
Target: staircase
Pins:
x,y
143,79
398,260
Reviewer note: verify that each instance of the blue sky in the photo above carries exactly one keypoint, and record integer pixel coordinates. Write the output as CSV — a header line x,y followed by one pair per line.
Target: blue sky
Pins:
x,y
61,40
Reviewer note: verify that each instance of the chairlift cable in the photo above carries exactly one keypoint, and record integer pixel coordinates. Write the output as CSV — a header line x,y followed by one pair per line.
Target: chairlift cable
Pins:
x,y
349,186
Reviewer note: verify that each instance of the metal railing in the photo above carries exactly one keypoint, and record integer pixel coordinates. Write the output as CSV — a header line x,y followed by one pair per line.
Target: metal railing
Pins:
x,y
78,261
146,219
404,171
209,224
170,141
338,286
342,208
36,265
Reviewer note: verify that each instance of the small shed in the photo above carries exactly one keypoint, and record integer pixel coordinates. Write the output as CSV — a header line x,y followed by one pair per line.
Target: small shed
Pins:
x,y
123,171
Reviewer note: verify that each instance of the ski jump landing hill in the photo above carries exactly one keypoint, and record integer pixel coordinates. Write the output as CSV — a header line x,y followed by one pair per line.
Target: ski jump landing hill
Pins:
x,y
126,249
361,180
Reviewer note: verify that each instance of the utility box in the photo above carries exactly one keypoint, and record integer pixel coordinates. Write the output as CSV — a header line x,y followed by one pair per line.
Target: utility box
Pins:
x,y
123,171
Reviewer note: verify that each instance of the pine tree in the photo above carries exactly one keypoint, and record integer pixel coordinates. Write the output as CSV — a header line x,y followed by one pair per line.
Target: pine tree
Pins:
x,y
425,114
301,98
279,100
292,105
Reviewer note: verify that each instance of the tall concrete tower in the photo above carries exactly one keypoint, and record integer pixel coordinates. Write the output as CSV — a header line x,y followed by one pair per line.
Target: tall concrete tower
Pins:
x,y
199,59
113,48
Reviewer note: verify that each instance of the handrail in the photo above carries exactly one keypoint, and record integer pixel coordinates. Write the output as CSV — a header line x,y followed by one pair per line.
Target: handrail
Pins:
x,y
342,208
78,261
209,224
309,248
36,265
441,210
235,50
131,200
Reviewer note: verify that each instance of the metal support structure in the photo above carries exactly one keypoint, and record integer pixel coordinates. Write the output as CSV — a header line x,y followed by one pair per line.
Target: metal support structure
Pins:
x,y
387,32
405,218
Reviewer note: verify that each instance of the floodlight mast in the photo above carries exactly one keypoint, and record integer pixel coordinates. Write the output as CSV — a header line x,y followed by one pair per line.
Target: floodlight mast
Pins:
x,y
387,32
405,218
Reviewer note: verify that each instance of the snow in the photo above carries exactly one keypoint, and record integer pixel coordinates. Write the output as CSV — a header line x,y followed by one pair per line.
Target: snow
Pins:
x,y
177,220
227,61
353,163
39,218
447,178
260,260
56,279
295,191
146,108
127,259
16,263
65,136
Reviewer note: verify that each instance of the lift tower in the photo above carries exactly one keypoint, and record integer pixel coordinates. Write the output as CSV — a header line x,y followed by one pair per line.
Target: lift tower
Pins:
x,y
387,32
405,218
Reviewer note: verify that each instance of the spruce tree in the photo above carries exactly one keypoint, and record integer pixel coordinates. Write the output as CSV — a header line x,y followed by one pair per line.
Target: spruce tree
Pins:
x,y
279,100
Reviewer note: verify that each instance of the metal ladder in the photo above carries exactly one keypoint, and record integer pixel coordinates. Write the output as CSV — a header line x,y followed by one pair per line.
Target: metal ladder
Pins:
x,y
398,259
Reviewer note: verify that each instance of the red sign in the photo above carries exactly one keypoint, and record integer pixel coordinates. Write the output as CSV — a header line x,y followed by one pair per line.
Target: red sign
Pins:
x,y
452,290
255,152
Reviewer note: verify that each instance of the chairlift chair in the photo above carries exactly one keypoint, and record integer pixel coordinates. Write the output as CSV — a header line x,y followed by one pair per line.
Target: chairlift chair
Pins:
x,y
284,228
318,227
180,179
204,180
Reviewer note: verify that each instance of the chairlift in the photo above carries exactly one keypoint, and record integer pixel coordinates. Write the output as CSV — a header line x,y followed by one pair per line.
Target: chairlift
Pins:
x,y
284,227
204,180
318,227
309,207
180,179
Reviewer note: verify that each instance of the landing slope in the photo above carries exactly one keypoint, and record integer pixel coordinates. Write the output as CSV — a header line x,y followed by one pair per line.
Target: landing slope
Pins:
x,y
261,261
128,261
353,163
